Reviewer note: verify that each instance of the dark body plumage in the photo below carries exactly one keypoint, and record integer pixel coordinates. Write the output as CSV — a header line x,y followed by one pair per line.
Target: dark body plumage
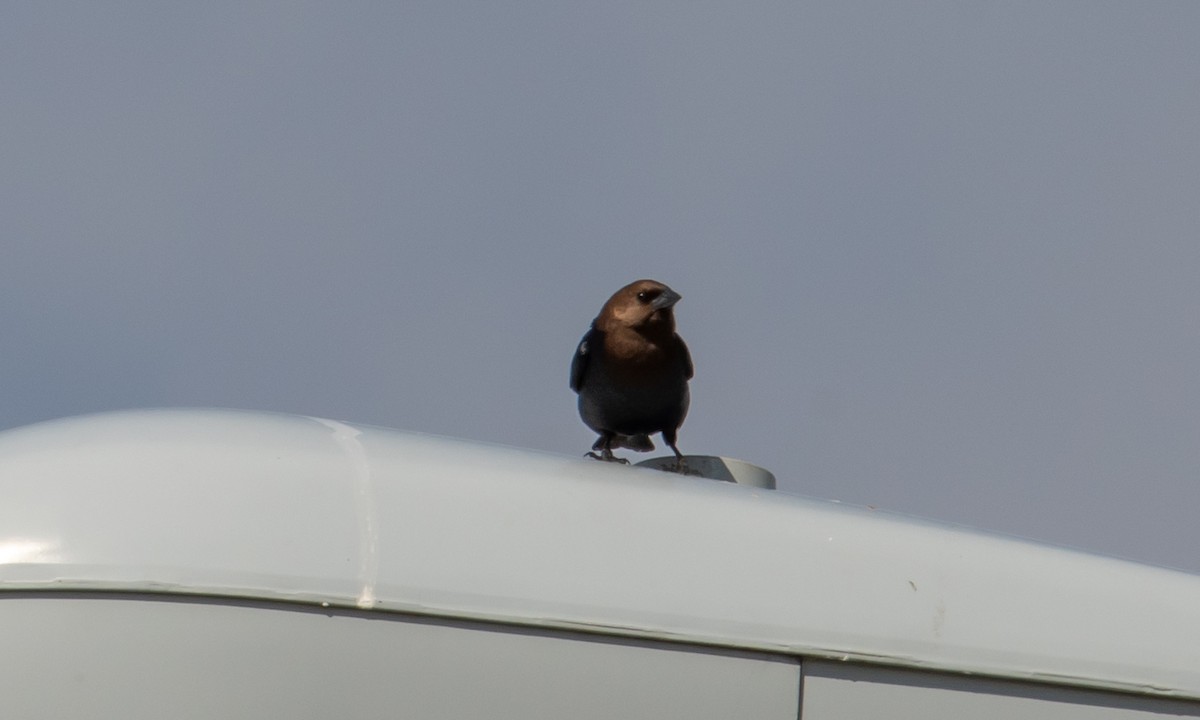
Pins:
x,y
631,370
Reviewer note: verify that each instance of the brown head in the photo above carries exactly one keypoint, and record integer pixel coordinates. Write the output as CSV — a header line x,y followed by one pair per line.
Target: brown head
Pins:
x,y
645,306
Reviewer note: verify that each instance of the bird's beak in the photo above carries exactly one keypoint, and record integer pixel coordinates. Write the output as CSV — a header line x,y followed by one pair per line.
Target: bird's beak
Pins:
x,y
667,299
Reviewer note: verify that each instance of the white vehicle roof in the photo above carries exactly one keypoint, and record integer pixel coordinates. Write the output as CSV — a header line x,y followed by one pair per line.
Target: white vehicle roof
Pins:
x,y
299,509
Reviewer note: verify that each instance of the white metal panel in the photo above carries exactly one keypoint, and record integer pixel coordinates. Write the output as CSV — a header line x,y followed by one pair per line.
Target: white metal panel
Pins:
x,y
836,691
311,510
104,658
176,498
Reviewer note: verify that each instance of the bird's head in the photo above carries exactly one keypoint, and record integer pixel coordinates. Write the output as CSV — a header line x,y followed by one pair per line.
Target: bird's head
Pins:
x,y
646,306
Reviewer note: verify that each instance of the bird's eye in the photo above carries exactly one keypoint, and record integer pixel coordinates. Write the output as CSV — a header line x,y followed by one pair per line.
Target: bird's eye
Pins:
x,y
646,296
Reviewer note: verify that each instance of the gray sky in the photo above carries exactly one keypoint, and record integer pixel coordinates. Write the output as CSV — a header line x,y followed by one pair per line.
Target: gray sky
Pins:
x,y
940,258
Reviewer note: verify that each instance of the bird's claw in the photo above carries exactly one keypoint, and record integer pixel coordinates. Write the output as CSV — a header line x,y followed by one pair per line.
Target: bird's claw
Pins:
x,y
606,457
682,468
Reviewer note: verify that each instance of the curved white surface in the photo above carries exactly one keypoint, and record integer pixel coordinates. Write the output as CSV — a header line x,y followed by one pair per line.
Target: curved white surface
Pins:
x,y
309,510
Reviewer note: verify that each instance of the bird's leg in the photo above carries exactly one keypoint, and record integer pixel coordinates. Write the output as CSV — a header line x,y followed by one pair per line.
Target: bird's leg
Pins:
x,y
681,465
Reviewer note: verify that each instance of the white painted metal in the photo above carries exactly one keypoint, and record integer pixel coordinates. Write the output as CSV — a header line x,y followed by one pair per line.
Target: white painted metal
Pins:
x,y
835,691
317,511
127,659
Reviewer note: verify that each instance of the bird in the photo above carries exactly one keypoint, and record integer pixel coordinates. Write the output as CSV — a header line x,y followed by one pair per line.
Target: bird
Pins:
x,y
631,371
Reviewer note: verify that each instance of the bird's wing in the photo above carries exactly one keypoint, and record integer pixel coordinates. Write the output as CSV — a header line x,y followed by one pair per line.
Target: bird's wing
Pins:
x,y
591,340
687,361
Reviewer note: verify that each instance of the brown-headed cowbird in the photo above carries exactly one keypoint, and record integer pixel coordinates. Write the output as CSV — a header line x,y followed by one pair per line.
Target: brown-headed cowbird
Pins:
x,y
631,371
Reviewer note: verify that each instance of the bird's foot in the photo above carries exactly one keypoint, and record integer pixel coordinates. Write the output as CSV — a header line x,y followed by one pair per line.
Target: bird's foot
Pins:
x,y
606,456
681,467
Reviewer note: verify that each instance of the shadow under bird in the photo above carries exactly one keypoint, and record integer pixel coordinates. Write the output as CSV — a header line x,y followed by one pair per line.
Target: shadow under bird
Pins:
x,y
631,371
